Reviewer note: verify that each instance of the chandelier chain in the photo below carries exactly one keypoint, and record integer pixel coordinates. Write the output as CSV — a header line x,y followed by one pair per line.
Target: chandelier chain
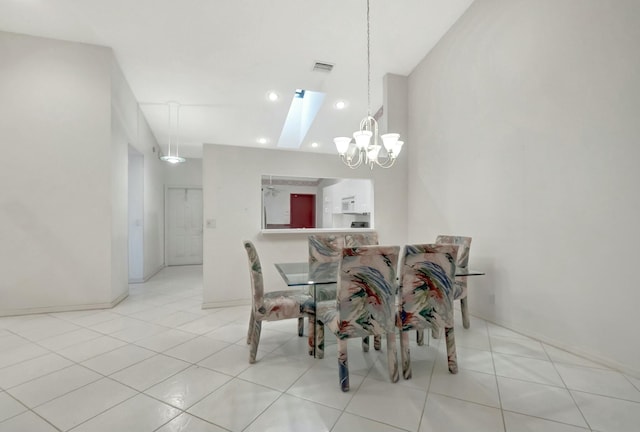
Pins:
x,y
368,59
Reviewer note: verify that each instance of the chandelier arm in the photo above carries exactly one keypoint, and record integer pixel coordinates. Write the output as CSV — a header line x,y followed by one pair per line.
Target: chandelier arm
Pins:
x,y
388,163
351,165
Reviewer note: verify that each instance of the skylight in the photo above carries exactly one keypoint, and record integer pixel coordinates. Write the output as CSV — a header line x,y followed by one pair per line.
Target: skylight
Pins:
x,y
303,110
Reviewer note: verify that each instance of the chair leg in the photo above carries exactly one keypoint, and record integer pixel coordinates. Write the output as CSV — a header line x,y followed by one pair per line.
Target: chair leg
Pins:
x,y
319,342
343,365
377,342
392,356
464,308
312,334
365,344
405,355
251,323
420,337
301,326
452,357
255,340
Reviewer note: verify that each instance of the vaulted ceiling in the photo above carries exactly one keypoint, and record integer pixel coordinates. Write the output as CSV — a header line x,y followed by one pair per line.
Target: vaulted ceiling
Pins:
x,y
219,58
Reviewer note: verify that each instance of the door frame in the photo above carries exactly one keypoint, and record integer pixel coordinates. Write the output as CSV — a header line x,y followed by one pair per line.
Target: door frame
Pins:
x,y
166,216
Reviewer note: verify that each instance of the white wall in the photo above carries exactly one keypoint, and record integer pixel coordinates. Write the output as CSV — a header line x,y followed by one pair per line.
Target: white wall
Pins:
x,y
55,213
231,186
122,133
154,178
527,118
135,212
67,117
188,173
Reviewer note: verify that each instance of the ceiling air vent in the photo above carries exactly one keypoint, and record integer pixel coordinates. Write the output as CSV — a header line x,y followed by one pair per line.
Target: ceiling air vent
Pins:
x,y
322,67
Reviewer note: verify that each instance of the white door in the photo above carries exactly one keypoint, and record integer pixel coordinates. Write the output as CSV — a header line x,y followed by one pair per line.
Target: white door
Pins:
x,y
184,221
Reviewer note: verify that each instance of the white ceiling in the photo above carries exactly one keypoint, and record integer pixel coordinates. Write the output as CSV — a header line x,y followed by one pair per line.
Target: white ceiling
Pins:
x,y
219,58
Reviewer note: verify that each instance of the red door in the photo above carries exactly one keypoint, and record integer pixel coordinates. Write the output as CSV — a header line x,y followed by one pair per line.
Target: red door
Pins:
x,y
303,211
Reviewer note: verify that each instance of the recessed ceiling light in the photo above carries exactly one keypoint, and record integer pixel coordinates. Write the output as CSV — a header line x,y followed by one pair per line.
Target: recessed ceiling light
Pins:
x,y
314,144
262,140
340,105
273,96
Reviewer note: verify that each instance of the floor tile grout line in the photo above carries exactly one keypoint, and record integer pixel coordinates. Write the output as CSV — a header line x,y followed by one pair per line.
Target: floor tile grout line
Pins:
x,y
433,368
102,376
46,420
495,372
138,392
569,391
196,416
605,396
550,420
60,395
26,408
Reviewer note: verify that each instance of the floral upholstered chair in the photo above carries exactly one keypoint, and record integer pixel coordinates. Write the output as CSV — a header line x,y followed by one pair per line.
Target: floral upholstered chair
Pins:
x,y
361,239
364,239
325,252
462,262
426,297
269,306
460,286
365,304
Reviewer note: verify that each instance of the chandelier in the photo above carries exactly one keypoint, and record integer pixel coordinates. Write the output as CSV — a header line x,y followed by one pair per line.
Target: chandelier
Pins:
x,y
173,135
366,148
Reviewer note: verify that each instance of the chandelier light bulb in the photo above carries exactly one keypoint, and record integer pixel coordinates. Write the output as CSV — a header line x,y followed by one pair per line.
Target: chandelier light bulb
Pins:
x,y
342,144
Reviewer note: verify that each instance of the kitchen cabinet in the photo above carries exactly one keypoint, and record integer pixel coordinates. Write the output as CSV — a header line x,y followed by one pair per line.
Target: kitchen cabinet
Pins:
x,y
350,196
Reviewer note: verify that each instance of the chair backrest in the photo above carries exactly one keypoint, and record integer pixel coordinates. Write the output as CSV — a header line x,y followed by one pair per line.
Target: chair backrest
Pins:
x,y
255,270
426,286
361,239
464,244
367,291
325,248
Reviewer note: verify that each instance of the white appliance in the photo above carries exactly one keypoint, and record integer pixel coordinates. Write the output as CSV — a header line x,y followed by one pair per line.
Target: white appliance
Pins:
x,y
349,204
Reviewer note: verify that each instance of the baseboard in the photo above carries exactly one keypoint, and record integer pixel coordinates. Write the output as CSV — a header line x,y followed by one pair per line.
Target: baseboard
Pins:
x,y
148,276
604,361
69,308
228,303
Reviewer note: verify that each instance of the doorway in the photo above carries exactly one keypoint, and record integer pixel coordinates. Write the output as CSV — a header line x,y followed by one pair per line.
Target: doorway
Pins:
x,y
303,210
184,226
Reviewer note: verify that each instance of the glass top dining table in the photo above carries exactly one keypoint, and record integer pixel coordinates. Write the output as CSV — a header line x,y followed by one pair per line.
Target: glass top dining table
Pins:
x,y
321,280
299,274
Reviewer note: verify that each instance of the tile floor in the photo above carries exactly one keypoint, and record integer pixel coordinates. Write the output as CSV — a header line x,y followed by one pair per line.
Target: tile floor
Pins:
x,y
157,362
